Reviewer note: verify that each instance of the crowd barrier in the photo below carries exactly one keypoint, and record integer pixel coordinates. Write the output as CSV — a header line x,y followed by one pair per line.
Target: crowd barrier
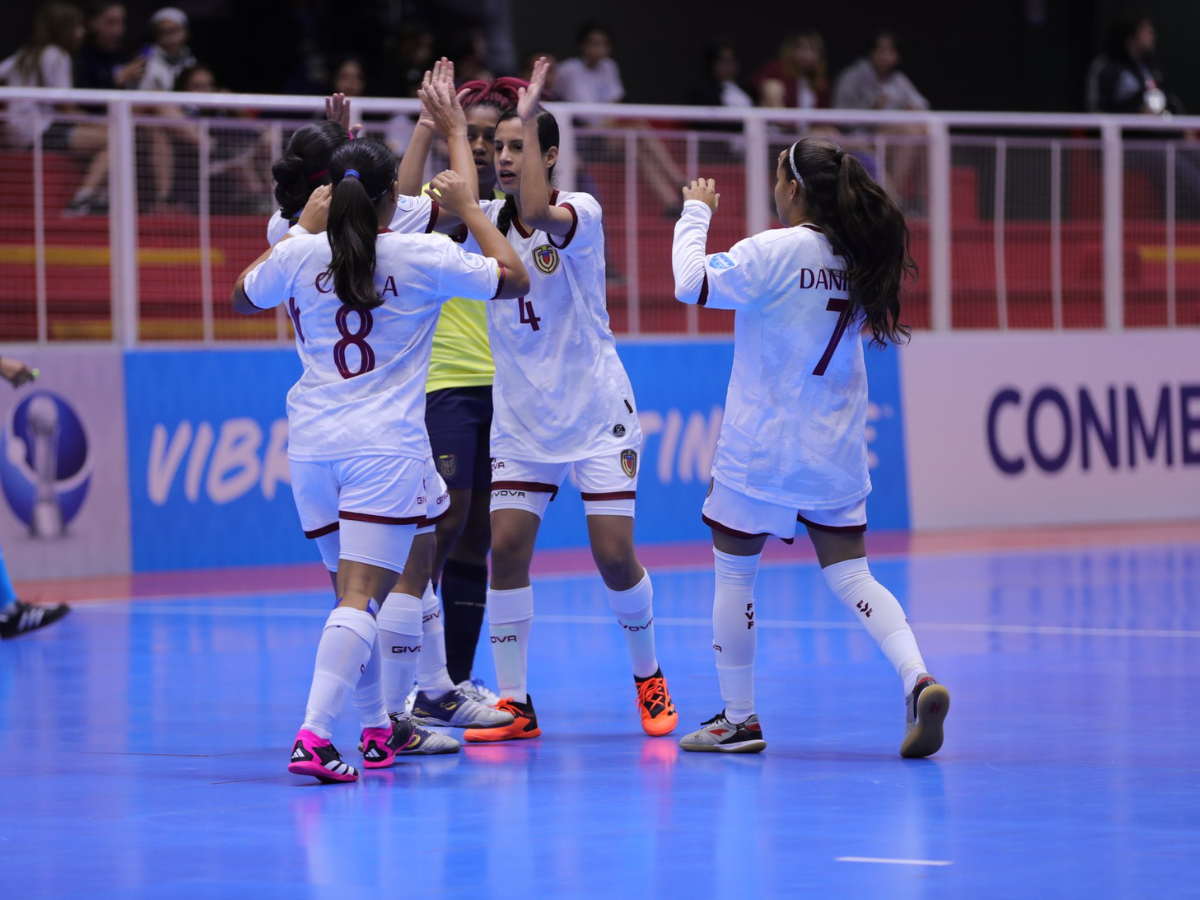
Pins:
x,y
151,460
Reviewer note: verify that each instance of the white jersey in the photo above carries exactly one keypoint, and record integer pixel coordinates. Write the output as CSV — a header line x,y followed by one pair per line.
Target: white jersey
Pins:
x,y
560,392
414,215
363,388
795,416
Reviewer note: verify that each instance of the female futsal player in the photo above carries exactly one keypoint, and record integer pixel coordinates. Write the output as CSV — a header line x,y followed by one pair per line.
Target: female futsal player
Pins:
x,y
458,404
793,445
364,302
410,619
562,401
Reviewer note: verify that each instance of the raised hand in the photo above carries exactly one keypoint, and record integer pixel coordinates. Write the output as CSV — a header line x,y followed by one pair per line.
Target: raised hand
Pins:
x,y
452,193
316,211
704,190
440,103
529,99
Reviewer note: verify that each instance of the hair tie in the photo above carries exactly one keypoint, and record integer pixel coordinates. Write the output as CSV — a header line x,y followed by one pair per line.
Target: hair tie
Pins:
x,y
351,173
317,176
792,163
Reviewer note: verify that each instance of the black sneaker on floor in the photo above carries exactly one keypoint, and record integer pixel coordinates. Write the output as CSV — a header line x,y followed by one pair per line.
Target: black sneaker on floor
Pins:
x,y
22,618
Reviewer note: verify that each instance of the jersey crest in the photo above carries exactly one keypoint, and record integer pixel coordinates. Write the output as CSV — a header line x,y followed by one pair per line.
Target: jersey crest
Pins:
x,y
629,462
545,258
720,261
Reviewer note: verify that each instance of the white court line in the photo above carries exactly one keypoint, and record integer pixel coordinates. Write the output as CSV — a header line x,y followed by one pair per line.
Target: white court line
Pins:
x,y
894,862
249,612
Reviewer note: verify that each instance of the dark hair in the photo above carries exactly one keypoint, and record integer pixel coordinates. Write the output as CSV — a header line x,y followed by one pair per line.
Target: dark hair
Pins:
x,y
863,224
500,95
186,73
1122,31
304,165
883,34
590,28
96,7
354,218
547,127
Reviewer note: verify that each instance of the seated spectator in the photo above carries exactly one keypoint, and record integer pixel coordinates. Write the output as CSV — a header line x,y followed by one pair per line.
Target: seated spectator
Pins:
x,y
875,81
46,61
103,62
719,86
169,54
1130,79
798,78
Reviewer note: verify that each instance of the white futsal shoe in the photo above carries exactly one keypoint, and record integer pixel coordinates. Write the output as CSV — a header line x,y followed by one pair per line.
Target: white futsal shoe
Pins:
x,y
927,707
456,710
719,735
475,689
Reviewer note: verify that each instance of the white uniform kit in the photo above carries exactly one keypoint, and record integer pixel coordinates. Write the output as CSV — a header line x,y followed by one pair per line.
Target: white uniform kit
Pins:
x,y
356,418
414,215
562,398
793,442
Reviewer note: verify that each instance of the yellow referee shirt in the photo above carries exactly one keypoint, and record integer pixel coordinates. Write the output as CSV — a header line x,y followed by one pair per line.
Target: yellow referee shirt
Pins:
x,y
462,355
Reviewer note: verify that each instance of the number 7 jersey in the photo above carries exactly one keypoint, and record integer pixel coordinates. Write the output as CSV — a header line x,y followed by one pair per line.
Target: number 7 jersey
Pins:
x,y
560,393
794,431
362,392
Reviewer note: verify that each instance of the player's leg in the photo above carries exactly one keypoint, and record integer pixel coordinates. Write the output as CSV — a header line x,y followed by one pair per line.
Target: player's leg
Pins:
x,y
464,581
740,527
837,537
521,491
608,485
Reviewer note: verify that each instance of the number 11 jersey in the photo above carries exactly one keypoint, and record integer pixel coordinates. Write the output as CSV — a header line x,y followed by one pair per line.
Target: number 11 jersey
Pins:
x,y
560,392
362,392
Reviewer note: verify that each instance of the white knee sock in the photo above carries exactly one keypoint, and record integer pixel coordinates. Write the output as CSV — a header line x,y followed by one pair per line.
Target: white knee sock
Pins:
x,y
432,677
344,650
368,696
880,613
635,613
510,619
400,634
735,634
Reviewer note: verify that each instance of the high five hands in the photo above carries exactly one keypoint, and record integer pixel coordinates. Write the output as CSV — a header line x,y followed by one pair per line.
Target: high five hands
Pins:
x,y
440,105
704,190
529,99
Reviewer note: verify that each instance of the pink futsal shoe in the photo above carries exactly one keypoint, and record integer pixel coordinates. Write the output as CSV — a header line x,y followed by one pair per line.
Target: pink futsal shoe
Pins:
x,y
380,745
315,756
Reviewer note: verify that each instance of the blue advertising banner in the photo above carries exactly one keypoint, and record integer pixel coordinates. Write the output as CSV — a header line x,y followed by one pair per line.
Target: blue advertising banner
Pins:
x,y
209,478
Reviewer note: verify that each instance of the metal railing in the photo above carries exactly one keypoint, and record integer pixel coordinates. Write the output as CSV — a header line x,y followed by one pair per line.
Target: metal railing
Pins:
x,y
1018,220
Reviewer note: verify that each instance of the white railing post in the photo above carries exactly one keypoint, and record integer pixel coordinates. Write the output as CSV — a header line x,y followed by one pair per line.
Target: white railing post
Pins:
x,y
122,222
1114,236
633,298
39,228
939,224
566,171
758,218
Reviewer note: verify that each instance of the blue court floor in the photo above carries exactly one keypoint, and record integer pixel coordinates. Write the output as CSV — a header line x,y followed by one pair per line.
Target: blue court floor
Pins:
x,y
145,747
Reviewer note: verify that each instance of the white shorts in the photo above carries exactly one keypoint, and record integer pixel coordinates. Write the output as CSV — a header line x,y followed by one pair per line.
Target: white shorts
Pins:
x,y
741,516
608,483
346,502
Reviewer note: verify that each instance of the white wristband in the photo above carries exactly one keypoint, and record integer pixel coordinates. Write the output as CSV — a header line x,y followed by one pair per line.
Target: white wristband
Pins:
x,y
297,230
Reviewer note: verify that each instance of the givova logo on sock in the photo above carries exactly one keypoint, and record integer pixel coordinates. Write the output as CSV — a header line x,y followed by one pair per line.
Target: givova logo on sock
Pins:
x,y
45,463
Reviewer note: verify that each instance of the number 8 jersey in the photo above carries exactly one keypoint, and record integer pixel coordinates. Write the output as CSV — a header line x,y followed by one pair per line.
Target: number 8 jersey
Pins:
x,y
362,392
794,432
560,393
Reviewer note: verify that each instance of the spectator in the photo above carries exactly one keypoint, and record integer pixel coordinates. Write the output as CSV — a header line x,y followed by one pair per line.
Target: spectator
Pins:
x,y
470,54
103,63
526,71
875,81
719,86
413,57
798,78
349,78
46,61
169,54
1129,78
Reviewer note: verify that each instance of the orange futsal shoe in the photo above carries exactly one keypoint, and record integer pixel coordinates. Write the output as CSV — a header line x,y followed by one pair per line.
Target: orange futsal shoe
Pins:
x,y
524,724
654,703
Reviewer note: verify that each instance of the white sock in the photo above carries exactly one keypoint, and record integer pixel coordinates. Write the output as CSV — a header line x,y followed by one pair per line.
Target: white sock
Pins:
x,y
432,676
368,696
510,619
880,613
344,650
400,634
635,613
735,637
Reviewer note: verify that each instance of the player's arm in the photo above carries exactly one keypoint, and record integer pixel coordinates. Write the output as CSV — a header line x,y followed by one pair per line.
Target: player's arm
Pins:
x,y
264,277
15,372
536,211
719,280
453,193
412,164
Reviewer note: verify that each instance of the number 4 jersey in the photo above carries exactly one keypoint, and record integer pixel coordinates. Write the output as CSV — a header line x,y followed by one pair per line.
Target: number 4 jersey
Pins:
x,y
560,393
363,388
794,431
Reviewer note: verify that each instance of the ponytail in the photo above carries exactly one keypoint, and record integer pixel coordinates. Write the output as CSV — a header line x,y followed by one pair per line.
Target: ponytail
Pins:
x,y
362,172
863,224
504,220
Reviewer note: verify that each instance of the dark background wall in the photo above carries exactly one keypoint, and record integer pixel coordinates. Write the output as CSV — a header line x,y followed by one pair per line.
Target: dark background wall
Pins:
x,y
978,54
